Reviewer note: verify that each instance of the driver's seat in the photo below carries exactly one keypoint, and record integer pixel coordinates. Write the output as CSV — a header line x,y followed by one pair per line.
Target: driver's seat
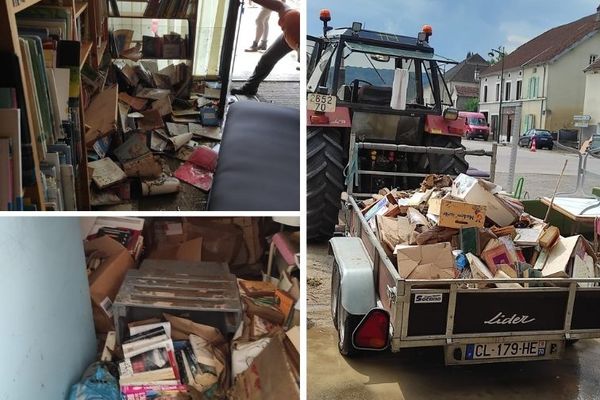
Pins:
x,y
376,95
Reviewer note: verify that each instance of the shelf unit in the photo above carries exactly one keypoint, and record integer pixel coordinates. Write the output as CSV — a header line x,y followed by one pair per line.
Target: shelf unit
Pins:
x,y
93,44
191,28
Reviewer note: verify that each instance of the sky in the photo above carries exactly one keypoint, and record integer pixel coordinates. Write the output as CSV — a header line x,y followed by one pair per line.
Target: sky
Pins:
x,y
459,26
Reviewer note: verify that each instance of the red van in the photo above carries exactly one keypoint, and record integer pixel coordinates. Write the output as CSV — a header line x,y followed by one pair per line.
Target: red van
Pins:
x,y
476,125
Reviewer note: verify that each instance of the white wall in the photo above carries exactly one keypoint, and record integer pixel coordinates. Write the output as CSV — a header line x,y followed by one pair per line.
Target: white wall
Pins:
x,y
47,334
566,84
591,105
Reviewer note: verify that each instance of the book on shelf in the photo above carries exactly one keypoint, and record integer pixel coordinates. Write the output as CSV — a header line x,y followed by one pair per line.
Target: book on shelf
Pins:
x,y
11,130
13,96
6,174
170,8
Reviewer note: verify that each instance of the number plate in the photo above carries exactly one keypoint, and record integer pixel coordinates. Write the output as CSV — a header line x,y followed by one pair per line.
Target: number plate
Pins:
x,y
321,102
504,350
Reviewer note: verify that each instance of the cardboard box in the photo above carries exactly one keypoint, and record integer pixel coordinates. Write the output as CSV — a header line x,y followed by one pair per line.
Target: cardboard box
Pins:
x,y
571,256
202,240
107,279
270,376
432,261
456,214
394,231
190,250
242,230
473,191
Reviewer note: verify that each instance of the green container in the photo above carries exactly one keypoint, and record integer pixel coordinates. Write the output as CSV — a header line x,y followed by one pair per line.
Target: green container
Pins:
x,y
566,226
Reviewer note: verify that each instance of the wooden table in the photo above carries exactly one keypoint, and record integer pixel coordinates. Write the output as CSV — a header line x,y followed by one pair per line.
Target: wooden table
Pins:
x,y
579,210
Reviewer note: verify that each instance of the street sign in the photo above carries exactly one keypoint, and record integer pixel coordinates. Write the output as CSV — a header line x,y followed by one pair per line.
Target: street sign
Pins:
x,y
582,121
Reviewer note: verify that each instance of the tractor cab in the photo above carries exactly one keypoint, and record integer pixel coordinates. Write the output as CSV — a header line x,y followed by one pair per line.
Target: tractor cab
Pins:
x,y
358,67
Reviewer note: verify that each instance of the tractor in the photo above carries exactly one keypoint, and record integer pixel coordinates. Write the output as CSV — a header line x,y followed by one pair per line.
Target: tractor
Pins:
x,y
375,118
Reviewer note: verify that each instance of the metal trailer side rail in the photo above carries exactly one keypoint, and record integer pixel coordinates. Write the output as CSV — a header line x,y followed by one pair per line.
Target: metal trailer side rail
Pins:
x,y
410,149
401,296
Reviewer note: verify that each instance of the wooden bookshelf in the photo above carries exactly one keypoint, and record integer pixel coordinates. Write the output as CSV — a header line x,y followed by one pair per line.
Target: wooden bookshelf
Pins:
x,y
23,5
86,48
138,16
80,7
93,44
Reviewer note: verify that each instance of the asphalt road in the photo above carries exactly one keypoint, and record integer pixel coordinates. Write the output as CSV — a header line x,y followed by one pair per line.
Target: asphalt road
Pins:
x,y
417,374
540,169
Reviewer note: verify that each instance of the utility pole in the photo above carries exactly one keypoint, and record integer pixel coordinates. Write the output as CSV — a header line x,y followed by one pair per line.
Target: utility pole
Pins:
x,y
501,53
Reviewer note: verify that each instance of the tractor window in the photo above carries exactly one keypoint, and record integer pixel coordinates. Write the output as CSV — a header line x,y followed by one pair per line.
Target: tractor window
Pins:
x,y
325,63
313,48
377,70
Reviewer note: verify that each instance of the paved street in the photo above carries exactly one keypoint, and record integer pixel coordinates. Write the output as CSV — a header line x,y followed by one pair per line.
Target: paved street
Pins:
x,y
540,169
420,374
285,70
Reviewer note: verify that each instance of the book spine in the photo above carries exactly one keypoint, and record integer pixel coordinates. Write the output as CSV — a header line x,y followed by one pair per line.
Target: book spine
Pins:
x,y
173,362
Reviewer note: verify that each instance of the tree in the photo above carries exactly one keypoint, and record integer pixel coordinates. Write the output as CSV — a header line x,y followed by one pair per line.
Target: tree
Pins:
x,y
472,104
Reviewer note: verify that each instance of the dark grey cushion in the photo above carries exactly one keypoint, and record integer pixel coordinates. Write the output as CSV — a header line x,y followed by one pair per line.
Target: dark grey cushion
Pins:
x,y
259,160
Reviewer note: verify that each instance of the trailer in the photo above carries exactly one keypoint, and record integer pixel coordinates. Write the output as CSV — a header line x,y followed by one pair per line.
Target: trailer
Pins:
x,y
375,309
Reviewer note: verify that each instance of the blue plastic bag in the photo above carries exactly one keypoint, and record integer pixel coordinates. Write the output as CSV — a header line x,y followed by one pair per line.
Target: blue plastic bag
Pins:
x,y
97,383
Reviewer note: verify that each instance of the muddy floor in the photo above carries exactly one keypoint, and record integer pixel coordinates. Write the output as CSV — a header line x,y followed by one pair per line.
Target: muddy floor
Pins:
x,y
417,374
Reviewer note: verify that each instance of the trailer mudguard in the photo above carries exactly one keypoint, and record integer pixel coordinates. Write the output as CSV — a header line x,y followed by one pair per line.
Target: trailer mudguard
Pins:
x,y
356,274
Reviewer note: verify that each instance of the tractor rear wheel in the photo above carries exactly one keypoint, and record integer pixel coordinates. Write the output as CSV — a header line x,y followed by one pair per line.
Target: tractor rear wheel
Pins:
x,y
442,163
324,182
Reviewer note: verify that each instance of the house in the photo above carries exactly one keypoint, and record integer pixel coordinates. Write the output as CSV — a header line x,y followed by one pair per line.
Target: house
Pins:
x,y
462,81
543,86
591,103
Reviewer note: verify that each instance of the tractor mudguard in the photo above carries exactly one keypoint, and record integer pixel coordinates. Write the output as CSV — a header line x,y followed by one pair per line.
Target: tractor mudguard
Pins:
x,y
340,118
356,274
438,125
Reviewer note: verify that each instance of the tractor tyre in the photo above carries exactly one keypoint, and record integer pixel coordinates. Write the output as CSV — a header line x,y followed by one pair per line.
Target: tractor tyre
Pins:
x,y
324,181
446,164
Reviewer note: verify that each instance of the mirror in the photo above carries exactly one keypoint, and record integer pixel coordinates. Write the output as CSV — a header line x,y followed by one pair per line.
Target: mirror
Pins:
x,y
451,114
380,58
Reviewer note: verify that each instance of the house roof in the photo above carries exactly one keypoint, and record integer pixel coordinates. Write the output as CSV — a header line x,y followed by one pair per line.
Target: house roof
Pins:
x,y
465,71
467,91
547,45
595,66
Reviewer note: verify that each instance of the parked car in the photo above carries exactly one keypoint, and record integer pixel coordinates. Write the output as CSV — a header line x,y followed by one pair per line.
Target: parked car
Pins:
x,y
476,125
543,138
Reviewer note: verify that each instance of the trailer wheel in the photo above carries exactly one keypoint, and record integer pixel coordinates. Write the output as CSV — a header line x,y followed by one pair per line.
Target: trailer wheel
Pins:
x,y
446,164
324,182
346,324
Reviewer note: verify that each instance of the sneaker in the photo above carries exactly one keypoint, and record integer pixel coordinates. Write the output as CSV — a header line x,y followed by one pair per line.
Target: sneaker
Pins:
x,y
244,90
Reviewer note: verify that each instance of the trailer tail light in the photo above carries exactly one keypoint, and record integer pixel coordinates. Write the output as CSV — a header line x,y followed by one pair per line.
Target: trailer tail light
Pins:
x,y
372,333
391,156
319,119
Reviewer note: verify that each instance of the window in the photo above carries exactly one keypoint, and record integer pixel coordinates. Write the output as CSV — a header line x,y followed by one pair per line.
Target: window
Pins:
x,y
497,92
485,93
533,87
210,31
519,90
507,91
529,122
593,58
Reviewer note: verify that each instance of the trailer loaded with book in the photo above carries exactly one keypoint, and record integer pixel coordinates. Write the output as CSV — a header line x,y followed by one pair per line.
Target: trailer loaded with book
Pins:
x,y
458,263
186,308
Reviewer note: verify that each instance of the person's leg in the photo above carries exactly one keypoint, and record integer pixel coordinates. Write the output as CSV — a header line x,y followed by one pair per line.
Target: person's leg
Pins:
x,y
262,30
265,65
